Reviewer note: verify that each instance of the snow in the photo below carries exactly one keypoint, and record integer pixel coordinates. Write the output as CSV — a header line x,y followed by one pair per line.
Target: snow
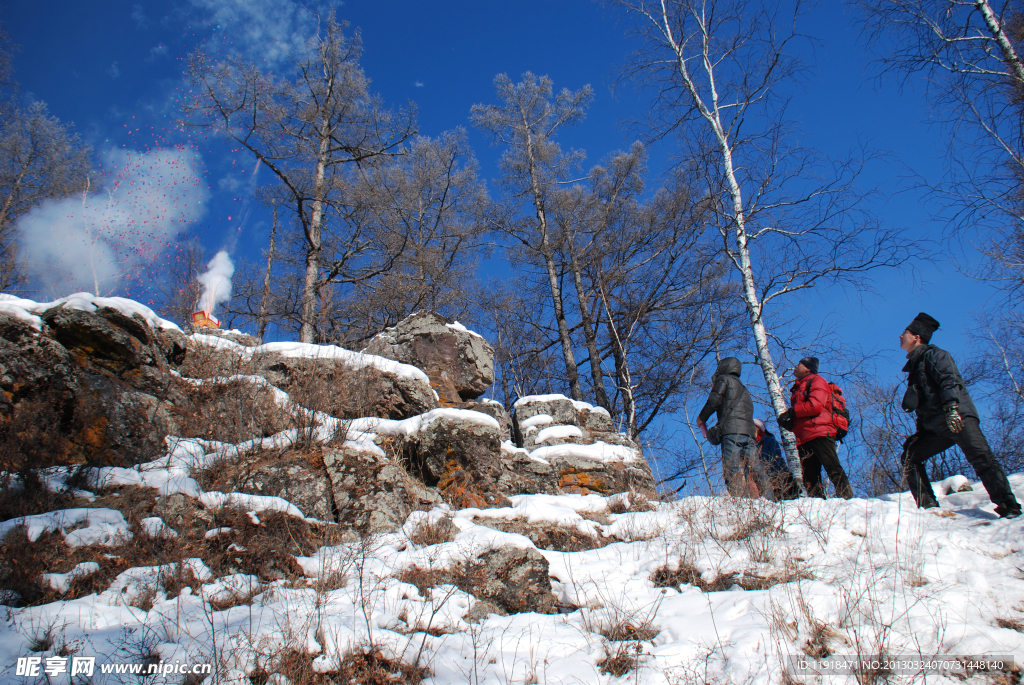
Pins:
x,y
29,310
558,433
580,406
535,421
354,360
155,527
61,582
922,582
879,573
456,326
599,451
80,527
418,423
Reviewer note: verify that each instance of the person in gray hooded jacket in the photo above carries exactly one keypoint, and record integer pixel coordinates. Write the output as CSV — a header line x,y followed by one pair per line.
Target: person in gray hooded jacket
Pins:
x,y
735,429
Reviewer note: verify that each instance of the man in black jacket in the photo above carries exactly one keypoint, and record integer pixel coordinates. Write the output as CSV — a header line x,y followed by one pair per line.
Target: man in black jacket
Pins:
x,y
945,416
730,399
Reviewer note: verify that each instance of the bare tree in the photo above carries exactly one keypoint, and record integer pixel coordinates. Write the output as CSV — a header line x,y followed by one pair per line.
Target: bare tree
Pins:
x,y
425,209
179,288
648,283
968,55
40,159
307,129
533,164
718,70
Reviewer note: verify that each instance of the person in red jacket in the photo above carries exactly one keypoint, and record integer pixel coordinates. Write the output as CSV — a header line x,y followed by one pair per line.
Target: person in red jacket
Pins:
x,y
815,431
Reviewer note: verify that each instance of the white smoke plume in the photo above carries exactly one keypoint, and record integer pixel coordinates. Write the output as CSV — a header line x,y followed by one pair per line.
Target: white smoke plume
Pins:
x,y
102,242
216,282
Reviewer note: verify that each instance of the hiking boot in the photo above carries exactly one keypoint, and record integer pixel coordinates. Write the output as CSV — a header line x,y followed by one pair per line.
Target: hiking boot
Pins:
x,y
1008,512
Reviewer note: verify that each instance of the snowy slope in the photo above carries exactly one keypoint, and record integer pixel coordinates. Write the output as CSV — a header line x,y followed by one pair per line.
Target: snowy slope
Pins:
x,y
859,577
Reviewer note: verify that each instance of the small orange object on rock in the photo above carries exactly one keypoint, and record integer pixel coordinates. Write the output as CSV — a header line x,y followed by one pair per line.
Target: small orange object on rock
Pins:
x,y
200,319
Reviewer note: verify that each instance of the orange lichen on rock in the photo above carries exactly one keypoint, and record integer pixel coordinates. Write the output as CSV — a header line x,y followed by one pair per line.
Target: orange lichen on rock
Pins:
x,y
584,483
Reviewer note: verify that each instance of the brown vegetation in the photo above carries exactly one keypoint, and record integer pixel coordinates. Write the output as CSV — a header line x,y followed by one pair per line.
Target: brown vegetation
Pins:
x,y
688,574
368,667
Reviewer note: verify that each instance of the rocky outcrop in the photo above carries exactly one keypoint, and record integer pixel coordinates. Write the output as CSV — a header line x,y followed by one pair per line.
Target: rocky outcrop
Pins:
x,y
461,456
516,581
460,363
97,382
295,477
579,444
373,494
323,383
336,388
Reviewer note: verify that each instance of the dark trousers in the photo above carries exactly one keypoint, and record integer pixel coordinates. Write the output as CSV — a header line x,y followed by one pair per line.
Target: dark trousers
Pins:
x,y
923,445
814,454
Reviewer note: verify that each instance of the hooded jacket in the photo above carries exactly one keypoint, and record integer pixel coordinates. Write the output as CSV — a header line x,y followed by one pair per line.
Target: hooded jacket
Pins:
x,y
933,382
810,418
731,400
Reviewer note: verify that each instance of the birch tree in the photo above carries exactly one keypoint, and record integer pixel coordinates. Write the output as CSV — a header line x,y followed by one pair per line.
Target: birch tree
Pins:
x,y
533,164
967,54
718,71
307,127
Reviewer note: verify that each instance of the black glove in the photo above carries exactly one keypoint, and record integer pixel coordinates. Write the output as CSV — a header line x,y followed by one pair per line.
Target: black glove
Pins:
x,y
954,421
787,420
715,435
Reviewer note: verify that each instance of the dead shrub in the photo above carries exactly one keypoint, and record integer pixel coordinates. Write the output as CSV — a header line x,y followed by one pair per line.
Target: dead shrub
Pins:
x,y
434,532
748,529
468,576
235,599
25,494
622,631
236,474
1010,624
623,661
356,668
341,391
27,560
632,502
818,646
267,549
233,411
548,535
372,668
687,574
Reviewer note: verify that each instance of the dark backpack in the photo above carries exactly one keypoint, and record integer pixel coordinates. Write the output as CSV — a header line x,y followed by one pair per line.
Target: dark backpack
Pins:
x,y
836,406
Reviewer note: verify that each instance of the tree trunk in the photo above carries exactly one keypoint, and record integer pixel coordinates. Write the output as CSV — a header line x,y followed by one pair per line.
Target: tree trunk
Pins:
x,y
265,301
307,333
622,374
556,291
1005,44
750,299
589,333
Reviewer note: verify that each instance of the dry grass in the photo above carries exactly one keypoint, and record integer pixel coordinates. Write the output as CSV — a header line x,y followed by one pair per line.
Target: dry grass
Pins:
x,y
631,502
687,574
434,532
368,667
548,536
623,660
266,550
1011,624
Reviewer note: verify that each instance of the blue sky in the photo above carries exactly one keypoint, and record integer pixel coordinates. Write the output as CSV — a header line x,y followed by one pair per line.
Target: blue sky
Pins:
x,y
115,70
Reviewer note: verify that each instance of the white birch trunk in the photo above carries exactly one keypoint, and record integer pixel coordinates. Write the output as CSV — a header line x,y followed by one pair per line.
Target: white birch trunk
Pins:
x,y
710,112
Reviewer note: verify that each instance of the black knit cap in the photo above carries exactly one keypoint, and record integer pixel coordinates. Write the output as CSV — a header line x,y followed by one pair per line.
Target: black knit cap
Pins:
x,y
923,325
810,363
